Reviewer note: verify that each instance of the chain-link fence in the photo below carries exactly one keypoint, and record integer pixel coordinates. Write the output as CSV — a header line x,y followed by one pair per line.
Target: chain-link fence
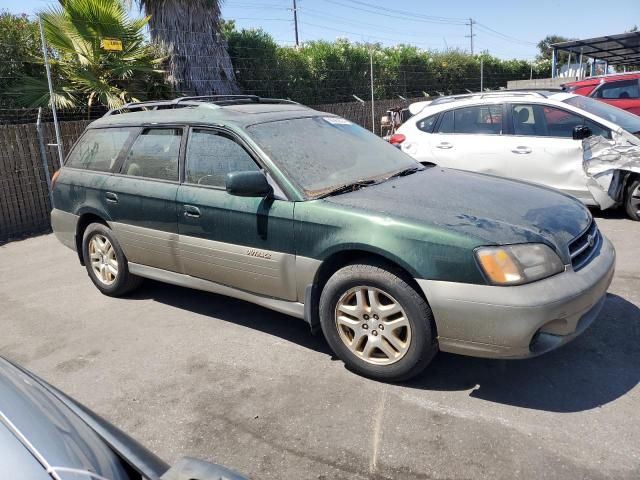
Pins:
x,y
97,63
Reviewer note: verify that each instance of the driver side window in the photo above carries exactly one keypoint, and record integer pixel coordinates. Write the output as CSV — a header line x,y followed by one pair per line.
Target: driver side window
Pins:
x,y
211,155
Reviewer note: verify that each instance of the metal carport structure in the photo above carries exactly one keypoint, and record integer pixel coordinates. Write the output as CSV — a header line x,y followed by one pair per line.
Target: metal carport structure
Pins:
x,y
621,49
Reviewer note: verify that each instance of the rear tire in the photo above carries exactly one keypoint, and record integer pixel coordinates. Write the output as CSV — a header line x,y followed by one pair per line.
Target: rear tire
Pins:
x,y
632,199
377,323
106,263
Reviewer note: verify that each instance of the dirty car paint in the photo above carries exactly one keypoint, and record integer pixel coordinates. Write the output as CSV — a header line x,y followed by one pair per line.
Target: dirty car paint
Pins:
x,y
431,221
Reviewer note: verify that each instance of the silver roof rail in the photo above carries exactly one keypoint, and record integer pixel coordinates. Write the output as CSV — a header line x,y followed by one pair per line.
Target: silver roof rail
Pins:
x,y
196,101
483,95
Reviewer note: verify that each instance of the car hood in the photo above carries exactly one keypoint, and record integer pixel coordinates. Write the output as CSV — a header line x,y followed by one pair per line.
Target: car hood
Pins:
x,y
51,428
493,210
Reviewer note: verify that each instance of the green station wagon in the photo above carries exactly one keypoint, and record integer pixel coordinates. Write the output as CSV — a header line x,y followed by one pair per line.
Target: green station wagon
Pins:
x,y
308,214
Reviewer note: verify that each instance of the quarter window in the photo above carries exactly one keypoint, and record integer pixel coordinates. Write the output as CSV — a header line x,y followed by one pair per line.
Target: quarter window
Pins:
x,y
426,124
154,154
98,149
618,90
211,155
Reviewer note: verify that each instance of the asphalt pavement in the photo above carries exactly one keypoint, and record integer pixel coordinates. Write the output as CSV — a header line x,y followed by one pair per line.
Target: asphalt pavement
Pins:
x,y
191,373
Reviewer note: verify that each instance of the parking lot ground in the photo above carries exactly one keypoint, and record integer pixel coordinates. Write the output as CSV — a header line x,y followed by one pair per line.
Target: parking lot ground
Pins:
x,y
190,373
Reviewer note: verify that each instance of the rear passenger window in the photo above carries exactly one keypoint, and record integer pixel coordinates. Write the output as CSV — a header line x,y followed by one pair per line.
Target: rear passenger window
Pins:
x,y
446,124
618,90
154,154
211,155
480,119
98,149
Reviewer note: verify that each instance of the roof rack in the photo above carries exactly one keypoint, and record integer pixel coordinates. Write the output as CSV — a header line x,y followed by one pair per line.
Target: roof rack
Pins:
x,y
195,101
480,95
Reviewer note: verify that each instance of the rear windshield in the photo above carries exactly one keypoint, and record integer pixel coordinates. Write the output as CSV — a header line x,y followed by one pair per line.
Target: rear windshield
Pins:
x,y
322,153
628,121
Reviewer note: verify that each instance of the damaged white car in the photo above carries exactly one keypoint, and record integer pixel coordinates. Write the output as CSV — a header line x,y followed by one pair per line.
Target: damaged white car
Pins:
x,y
536,137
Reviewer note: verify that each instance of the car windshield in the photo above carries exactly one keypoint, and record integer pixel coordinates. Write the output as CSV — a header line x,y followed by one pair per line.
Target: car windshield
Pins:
x,y
320,154
628,121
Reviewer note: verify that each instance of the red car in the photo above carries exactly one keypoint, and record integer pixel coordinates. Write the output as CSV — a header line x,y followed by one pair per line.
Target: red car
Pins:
x,y
620,90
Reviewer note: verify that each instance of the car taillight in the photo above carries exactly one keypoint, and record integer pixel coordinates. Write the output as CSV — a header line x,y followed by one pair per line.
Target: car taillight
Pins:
x,y
397,139
54,178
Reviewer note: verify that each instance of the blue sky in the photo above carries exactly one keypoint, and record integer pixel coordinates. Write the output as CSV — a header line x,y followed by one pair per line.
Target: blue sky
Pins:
x,y
508,29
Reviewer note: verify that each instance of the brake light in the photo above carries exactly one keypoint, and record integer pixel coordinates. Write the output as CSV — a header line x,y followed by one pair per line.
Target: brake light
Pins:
x,y
397,139
54,178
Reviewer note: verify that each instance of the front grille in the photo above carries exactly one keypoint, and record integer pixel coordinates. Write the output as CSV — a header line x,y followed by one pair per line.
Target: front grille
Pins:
x,y
583,248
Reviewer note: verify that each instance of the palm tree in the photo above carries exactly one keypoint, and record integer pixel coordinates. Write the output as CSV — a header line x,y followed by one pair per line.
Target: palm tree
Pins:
x,y
84,72
189,31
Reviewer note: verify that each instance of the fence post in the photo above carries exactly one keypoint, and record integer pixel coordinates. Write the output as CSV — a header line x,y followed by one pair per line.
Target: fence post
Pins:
x,y
373,110
52,102
43,155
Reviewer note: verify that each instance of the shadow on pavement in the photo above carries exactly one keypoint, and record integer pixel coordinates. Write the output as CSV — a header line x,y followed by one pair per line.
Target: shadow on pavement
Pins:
x,y
234,311
596,368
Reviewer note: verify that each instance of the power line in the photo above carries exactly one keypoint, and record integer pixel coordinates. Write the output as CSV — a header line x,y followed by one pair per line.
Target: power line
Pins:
x,y
399,14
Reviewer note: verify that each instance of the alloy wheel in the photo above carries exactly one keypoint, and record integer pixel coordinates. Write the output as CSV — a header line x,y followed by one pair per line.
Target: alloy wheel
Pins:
x,y
373,325
103,259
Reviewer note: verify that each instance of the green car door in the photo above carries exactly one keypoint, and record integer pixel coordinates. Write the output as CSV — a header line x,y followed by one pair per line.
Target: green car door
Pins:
x,y
242,242
140,199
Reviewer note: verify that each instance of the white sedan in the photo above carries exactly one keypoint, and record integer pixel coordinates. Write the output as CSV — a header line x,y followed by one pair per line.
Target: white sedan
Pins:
x,y
530,136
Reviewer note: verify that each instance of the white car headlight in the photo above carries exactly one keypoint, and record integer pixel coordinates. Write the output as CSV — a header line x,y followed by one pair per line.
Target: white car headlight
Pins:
x,y
518,264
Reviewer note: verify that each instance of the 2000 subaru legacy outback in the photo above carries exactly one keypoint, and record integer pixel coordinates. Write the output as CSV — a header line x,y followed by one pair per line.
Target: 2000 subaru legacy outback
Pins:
x,y
308,214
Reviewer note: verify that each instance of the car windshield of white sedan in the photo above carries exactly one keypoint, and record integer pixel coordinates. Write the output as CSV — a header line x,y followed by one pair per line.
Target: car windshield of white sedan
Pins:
x,y
628,121
321,154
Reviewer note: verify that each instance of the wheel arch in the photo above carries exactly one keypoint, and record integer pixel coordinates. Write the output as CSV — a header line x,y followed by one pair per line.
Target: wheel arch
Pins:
x,y
343,257
85,219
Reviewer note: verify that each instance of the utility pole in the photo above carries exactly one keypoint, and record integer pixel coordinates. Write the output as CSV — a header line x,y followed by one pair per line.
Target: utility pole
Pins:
x,y
295,21
471,34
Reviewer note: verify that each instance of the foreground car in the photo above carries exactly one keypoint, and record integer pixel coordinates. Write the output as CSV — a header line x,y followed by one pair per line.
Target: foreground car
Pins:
x,y
310,215
45,435
531,136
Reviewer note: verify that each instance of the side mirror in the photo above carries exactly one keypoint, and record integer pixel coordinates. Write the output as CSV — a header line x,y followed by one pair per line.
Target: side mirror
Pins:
x,y
247,184
193,469
580,132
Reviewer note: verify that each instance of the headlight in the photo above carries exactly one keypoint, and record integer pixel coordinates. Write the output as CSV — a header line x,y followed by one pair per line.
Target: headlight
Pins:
x,y
518,264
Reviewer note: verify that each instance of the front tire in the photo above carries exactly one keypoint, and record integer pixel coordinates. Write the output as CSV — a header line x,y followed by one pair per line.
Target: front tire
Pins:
x,y
106,263
377,323
632,200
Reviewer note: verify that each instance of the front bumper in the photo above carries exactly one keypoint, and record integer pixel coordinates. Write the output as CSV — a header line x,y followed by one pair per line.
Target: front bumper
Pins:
x,y
520,321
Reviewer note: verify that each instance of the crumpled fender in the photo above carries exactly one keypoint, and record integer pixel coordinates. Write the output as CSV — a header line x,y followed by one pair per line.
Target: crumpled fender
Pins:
x,y
607,163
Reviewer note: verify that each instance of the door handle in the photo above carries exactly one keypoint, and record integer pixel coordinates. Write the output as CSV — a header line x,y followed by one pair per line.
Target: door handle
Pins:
x,y
521,149
191,211
111,197
444,145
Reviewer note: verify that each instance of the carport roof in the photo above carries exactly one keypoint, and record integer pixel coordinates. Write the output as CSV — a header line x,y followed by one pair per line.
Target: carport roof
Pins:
x,y
621,49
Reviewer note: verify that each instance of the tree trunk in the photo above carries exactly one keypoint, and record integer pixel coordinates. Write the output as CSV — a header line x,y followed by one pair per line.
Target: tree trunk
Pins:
x,y
188,30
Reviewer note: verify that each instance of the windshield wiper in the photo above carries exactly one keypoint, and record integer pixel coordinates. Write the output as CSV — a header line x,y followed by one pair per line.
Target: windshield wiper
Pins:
x,y
405,172
349,187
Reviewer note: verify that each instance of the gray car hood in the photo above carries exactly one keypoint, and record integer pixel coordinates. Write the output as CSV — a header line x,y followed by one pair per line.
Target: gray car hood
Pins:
x,y
55,432
491,209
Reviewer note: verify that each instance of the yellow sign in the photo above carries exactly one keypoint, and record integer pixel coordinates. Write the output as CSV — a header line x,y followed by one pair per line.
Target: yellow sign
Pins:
x,y
111,44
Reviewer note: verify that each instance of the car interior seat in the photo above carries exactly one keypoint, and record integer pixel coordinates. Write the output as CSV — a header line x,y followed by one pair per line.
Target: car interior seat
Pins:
x,y
521,126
